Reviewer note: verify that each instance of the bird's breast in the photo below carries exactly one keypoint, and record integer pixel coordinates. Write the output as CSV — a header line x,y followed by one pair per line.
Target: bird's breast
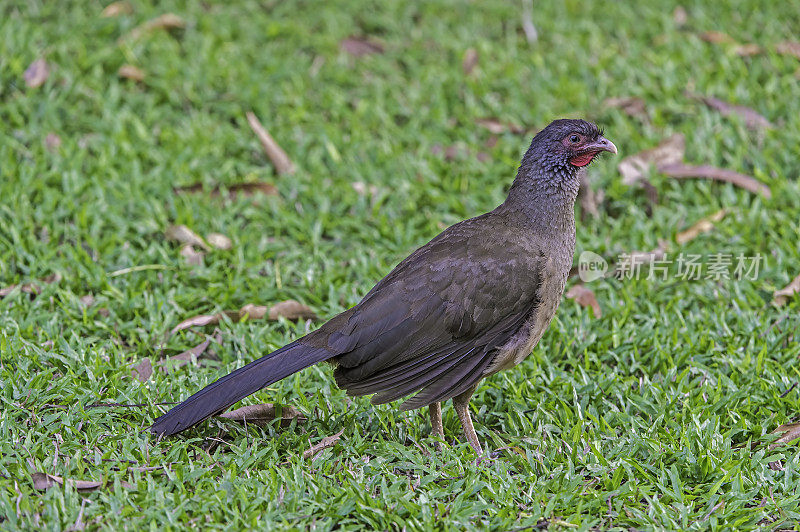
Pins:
x,y
520,345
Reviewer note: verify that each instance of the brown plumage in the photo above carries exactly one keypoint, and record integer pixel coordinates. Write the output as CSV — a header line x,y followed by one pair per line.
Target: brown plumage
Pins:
x,y
471,302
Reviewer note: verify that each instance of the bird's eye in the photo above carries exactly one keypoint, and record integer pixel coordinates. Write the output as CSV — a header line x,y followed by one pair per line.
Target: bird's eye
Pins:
x,y
574,139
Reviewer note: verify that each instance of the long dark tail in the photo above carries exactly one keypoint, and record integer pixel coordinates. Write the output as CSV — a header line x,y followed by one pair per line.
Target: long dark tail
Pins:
x,y
219,395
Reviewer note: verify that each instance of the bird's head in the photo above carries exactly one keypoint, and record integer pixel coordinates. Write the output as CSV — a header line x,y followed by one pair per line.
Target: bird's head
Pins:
x,y
548,177
568,144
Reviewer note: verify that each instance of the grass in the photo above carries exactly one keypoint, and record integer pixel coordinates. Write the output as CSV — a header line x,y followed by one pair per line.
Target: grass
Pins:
x,y
654,416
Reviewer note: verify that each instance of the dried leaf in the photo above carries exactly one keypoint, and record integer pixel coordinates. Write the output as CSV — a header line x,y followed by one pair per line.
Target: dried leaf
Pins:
x,y
191,255
219,241
585,298
281,161
115,9
788,48
703,226
716,37
79,524
245,189
198,321
589,199
52,141
291,310
492,124
324,443
184,235
143,370
680,16
52,278
630,105
776,465
747,50
184,358
682,171
752,119
167,21
787,292
470,61
634,167
496,127
28,288
264,413
252,312
451,153
31,288
789,432
87,300
131,72
43,481
36,74
359,46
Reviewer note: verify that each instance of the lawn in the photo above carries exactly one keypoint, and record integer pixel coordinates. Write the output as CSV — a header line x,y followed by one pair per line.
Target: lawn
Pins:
x,y
655,414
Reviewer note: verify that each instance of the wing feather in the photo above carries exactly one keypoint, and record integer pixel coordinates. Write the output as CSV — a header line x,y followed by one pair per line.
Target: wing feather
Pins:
x,y
434,323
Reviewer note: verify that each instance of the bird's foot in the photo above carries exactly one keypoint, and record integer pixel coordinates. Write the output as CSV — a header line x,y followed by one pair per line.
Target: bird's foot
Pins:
x,y
461,405
437,427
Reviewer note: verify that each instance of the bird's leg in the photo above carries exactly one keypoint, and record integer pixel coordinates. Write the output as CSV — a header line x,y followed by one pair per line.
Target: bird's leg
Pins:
x,y
461,404
437,428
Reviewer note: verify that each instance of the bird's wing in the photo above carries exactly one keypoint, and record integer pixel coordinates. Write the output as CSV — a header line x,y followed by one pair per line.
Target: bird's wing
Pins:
x,y
434,323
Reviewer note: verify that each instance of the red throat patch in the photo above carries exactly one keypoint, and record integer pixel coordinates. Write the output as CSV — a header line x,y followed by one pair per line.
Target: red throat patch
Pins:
x,y
584,158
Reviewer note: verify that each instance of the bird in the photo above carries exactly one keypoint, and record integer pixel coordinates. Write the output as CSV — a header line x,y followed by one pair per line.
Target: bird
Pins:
x,y
473,301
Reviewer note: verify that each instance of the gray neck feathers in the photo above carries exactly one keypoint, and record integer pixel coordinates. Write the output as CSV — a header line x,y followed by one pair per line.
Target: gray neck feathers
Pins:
x,y
543,194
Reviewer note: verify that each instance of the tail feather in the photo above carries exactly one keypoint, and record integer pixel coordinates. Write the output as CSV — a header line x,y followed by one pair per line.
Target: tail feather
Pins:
x,y
221,394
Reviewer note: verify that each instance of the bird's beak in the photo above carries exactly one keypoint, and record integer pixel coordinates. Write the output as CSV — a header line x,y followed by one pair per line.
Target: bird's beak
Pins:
x,y
602,144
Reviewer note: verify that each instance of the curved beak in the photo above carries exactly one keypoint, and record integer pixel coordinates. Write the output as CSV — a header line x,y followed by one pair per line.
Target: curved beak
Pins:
x,y
602,144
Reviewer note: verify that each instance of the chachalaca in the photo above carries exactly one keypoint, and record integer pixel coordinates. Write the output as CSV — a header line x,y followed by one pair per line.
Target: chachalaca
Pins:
x,y
471,302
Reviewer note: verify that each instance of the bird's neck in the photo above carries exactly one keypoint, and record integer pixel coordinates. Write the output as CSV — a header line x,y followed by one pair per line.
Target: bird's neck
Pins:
x,y
544,199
